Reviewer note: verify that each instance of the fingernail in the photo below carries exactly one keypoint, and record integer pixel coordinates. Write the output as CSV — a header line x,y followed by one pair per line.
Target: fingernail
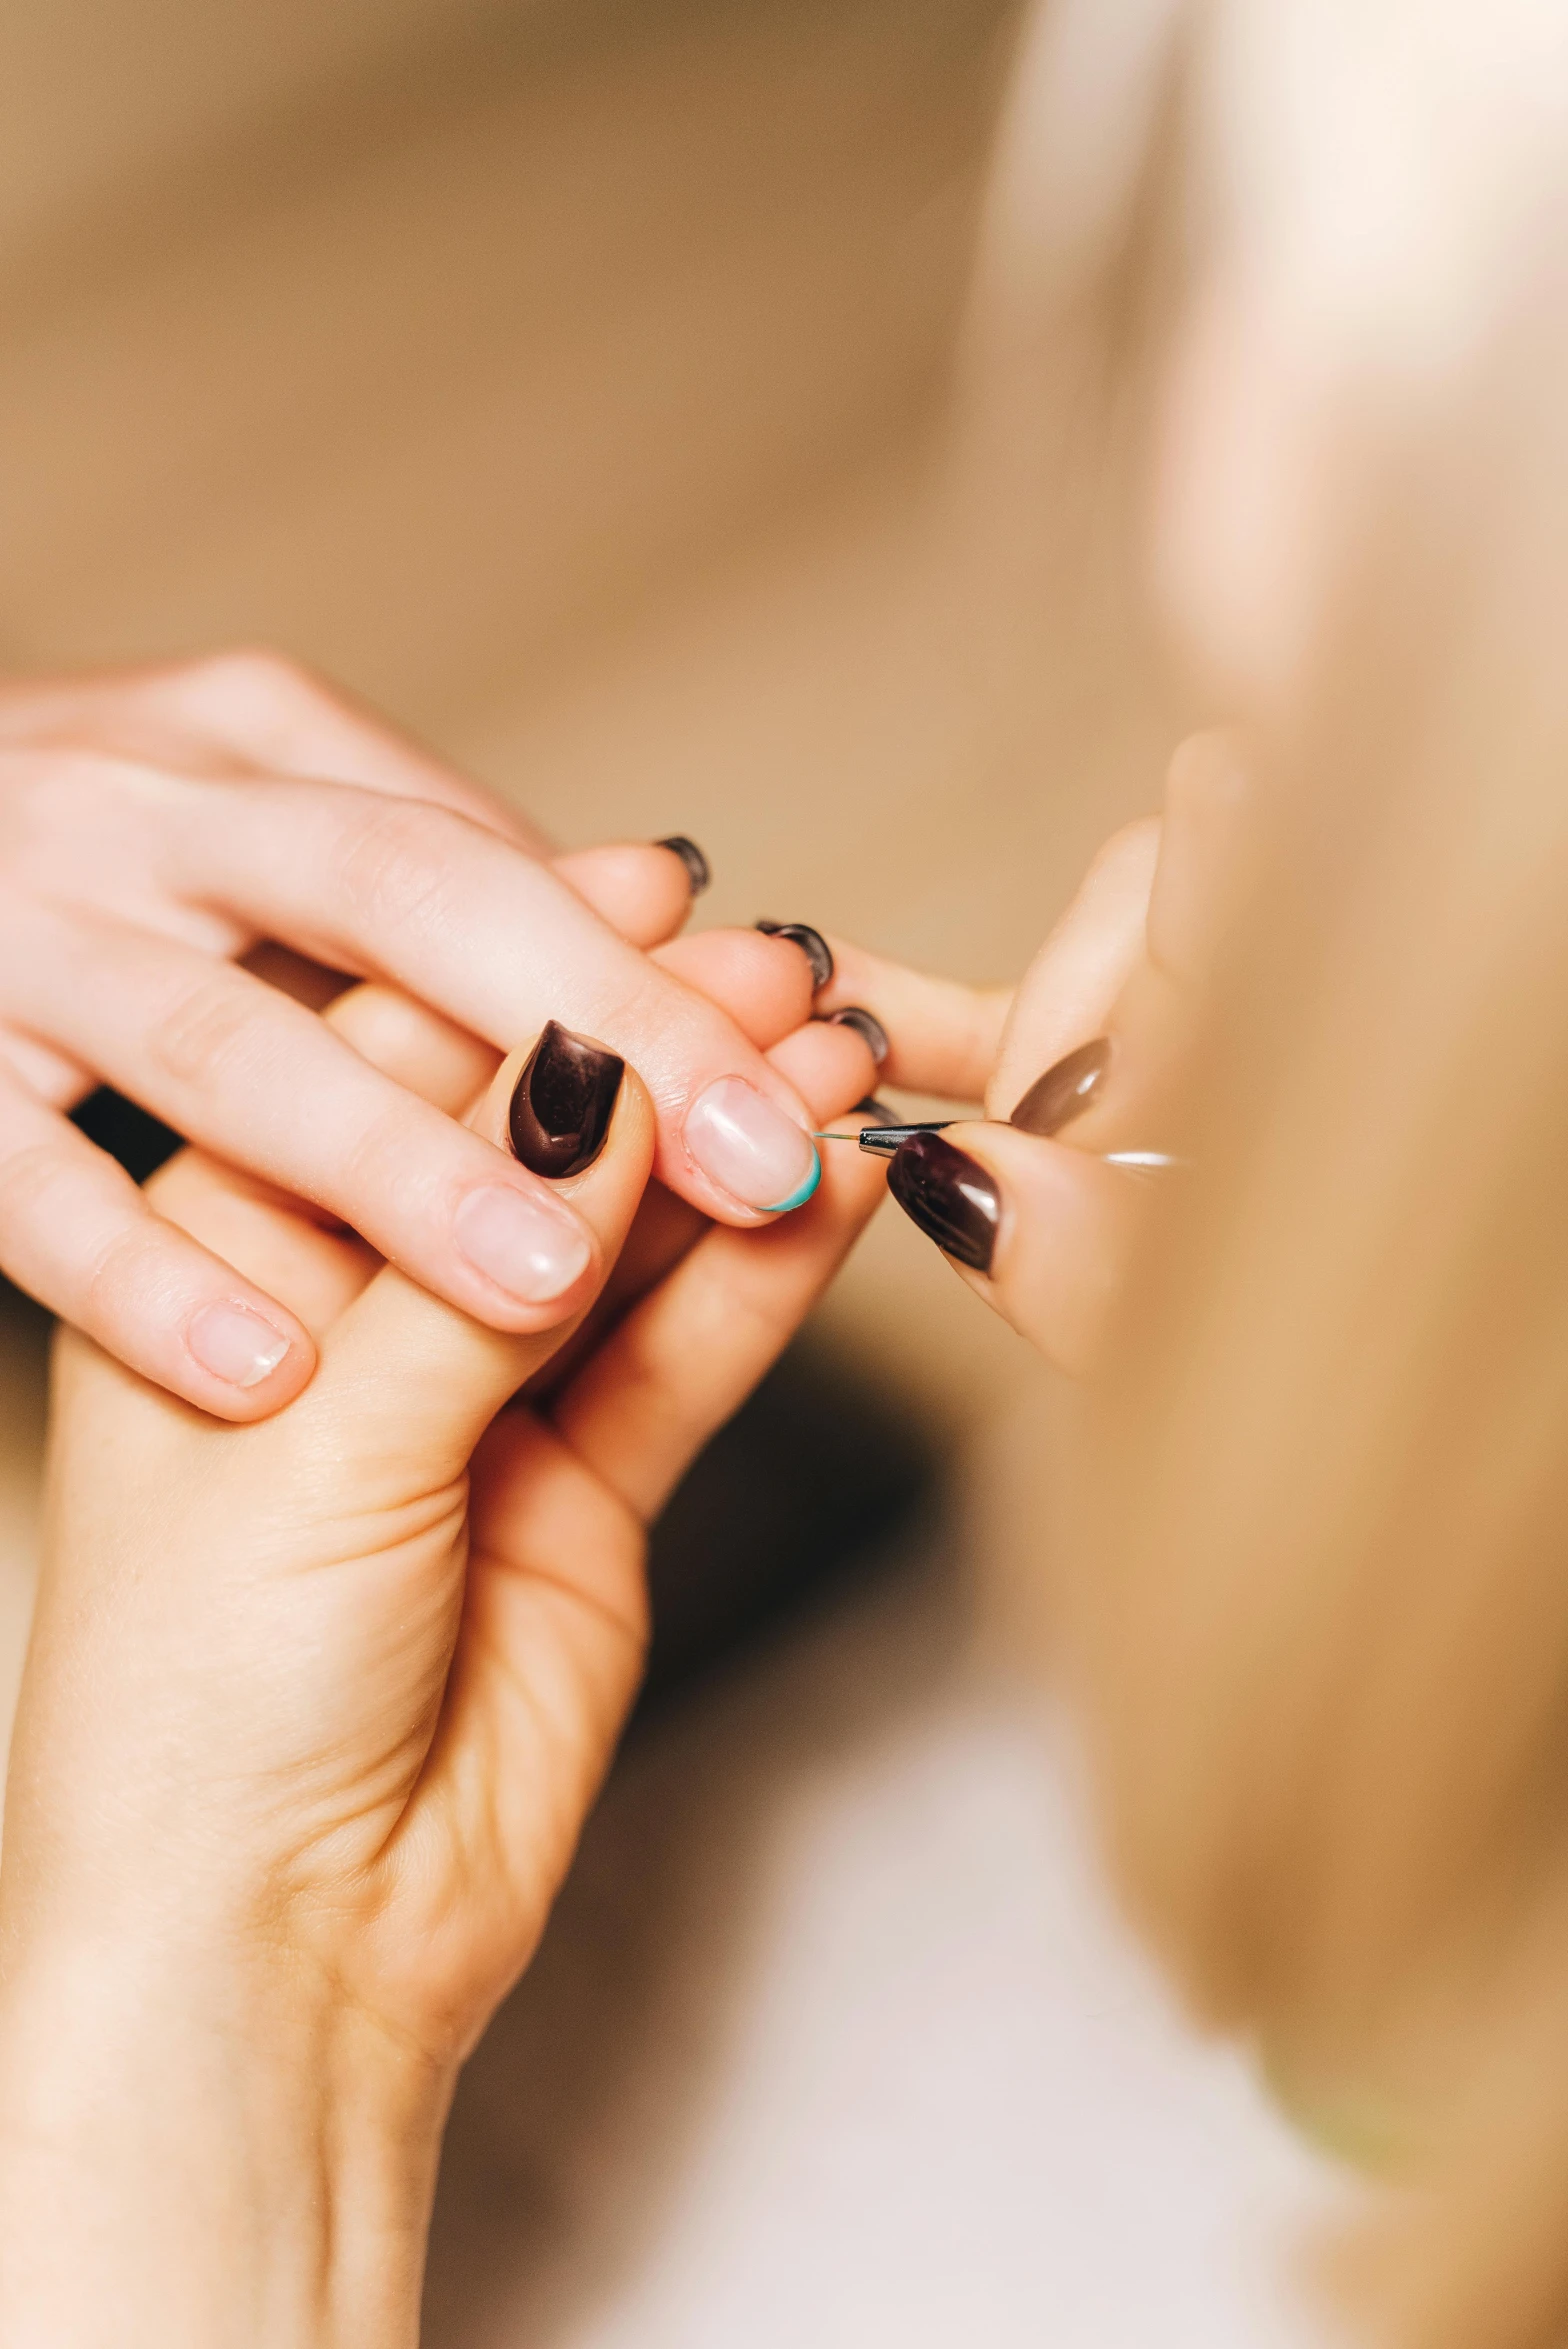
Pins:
x,y
1067,1088
865,1024
750,1148
562,1103
235,1344
950,1196
527,1247
878,1112
812,945
691,856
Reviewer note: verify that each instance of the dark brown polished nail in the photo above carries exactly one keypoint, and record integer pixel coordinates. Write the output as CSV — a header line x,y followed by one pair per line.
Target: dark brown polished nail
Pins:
x,y
865,1024
950,1196
562,1103
691,856
1066,1089
812,945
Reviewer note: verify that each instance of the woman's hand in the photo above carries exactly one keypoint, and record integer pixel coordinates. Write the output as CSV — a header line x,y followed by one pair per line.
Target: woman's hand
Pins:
x,y
311,1717
1084,1061
155,828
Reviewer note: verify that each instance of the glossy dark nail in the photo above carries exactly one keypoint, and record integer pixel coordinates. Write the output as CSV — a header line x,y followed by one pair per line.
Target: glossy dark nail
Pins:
x,y
562,1103
865,1024
691,856
1066,1089
950,1196
878,1111
812,945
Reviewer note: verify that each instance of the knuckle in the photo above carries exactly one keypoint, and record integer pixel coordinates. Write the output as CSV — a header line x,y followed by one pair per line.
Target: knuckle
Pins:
x,y
29,1184
76,817
246,692
368,1151
115,1270
249,676
388,865
206,1026
51,793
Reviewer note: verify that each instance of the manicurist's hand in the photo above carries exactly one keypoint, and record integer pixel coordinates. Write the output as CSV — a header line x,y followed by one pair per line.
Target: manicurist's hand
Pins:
x,y
1037,1206
157,827
314,1709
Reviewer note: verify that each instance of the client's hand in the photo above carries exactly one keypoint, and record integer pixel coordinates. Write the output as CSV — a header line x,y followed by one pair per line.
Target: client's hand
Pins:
x,y
311,1717
158,826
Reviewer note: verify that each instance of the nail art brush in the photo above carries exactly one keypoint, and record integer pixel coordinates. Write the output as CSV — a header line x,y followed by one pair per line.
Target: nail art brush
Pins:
x,y
882,1141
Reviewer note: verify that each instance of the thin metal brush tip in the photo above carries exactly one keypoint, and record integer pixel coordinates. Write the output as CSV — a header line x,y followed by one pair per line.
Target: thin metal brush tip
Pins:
x,y
882,1141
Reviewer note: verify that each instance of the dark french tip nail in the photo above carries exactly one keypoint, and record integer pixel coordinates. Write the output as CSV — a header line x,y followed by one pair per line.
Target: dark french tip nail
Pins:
x,y
950,1196
562,1103
691,856
878,1111
812,945
1066,1089
866,1025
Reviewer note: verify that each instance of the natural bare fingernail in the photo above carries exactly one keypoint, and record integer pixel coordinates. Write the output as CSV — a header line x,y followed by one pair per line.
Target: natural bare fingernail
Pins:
x,y
750,1148
527,1247
235,1344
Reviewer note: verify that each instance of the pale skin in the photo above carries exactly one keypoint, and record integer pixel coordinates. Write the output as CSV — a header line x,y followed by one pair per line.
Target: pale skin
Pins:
x,y
156,826
1130,960
315,1707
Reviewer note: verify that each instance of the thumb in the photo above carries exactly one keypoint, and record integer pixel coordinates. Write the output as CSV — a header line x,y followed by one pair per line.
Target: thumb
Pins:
x,y
415,1378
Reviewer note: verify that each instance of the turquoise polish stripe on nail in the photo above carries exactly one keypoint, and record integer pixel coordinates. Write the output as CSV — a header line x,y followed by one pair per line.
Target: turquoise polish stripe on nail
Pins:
x,y
799,1198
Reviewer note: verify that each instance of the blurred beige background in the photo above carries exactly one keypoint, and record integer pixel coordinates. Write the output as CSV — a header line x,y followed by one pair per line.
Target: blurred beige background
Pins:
x,y
594,387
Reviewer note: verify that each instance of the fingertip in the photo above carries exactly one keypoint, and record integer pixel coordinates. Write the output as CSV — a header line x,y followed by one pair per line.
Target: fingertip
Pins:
x,y
577,1125
244,1360
557,1104
642,888
756,1156
699,873
804,1190
762,984
1038,1229
827,1064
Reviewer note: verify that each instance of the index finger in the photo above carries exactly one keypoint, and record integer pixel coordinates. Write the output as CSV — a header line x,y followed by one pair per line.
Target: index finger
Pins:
x,y
1067,994
484,933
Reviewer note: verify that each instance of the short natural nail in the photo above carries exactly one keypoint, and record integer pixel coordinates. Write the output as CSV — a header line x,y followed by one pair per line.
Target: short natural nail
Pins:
x,y
750,1148
812,945
950,1196
691,856
529,1248
1066,1089
562,1103
866,1025
235,1344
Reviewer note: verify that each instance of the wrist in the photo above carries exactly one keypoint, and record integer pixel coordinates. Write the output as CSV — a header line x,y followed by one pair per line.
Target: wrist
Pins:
x,y
207,2155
